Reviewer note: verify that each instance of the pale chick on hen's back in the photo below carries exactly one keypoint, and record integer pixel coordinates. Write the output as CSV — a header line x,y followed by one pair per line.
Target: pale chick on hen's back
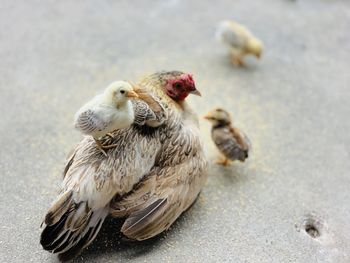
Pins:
x,y
107,112
239,40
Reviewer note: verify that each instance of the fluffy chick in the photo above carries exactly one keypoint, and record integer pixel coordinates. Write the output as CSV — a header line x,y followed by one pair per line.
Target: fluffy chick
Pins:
x,y
239,40
107,112
231,142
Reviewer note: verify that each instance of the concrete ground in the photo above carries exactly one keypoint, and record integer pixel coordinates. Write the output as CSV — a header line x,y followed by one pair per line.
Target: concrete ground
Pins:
x,y
294,105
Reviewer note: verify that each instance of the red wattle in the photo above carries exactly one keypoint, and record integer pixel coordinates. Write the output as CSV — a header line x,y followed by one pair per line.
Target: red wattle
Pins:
x,y
177,96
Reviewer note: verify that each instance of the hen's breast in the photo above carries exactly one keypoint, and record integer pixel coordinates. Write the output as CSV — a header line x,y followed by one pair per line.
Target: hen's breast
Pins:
x,y
181,141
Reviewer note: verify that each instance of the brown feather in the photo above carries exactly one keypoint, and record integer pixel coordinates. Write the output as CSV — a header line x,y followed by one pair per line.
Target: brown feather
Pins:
x,y
69,162
58,208
237,135
142,192
149,99
75,229
141,218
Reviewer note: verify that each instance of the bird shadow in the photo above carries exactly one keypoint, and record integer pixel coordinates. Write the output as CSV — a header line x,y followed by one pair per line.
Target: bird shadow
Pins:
x,y
111,241
250,64
233,174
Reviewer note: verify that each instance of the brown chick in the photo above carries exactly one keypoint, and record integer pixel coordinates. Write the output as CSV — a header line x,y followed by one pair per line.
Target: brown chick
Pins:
x,y
231,142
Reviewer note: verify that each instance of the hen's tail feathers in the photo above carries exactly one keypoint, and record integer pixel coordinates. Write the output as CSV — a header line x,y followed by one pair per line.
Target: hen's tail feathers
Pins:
x,y
70,227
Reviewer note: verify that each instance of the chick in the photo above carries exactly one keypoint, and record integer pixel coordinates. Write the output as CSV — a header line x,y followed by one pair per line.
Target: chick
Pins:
x,y
107,112
239,40
232,143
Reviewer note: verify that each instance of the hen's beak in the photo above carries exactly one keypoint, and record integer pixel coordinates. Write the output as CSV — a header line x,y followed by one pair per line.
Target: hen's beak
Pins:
x,y
196,92
132,94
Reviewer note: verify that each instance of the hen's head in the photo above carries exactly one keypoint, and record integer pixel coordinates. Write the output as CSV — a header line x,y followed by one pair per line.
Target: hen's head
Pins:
x,y
178,85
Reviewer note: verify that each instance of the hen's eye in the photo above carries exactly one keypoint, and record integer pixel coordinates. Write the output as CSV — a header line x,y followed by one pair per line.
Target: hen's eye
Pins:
x,y
122,91
178,85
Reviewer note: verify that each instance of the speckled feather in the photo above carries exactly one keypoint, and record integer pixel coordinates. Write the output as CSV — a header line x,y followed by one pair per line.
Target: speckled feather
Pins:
x,y
88,122
148,109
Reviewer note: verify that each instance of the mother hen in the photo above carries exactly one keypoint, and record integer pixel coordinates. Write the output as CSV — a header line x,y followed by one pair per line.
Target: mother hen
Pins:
x,y
155,172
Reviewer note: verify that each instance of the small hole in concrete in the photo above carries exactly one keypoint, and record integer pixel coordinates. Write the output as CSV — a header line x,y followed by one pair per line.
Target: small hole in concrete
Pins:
x,y
312,230
313,225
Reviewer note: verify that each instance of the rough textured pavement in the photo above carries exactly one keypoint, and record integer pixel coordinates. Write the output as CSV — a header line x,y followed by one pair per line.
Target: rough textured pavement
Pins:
x,y
294,104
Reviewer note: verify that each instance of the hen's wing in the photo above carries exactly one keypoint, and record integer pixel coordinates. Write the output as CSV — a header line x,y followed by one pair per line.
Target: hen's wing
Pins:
x,y
228,144
143,112
88,122
91,180
149,110
176,188
152,101
168,190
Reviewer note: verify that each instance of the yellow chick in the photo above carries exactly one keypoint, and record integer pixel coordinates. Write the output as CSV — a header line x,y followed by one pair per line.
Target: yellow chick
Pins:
x,y
239,40
107,112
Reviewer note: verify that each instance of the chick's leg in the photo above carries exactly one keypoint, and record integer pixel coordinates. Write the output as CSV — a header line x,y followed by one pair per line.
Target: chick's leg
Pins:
x,y
100,146
110,146
223,161
236,59
240,61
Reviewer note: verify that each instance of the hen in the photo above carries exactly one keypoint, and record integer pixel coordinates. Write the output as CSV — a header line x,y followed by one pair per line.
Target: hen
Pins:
x,y
152,176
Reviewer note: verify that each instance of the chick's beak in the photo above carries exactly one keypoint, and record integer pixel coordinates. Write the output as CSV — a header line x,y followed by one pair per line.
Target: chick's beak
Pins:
x,y
132,94
208,117
196,92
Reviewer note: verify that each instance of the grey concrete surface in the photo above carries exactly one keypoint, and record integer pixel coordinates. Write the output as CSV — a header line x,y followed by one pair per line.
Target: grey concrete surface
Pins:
x,y
294,104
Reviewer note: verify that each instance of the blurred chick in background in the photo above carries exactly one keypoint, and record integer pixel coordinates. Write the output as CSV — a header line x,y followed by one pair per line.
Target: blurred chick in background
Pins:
x,y
231,142
239,40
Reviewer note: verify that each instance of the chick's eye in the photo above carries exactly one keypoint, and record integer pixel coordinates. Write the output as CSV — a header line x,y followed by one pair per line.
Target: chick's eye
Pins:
x,y
122,91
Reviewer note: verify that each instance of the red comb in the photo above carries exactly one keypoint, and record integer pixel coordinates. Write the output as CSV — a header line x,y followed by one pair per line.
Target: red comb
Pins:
x,y
188,78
